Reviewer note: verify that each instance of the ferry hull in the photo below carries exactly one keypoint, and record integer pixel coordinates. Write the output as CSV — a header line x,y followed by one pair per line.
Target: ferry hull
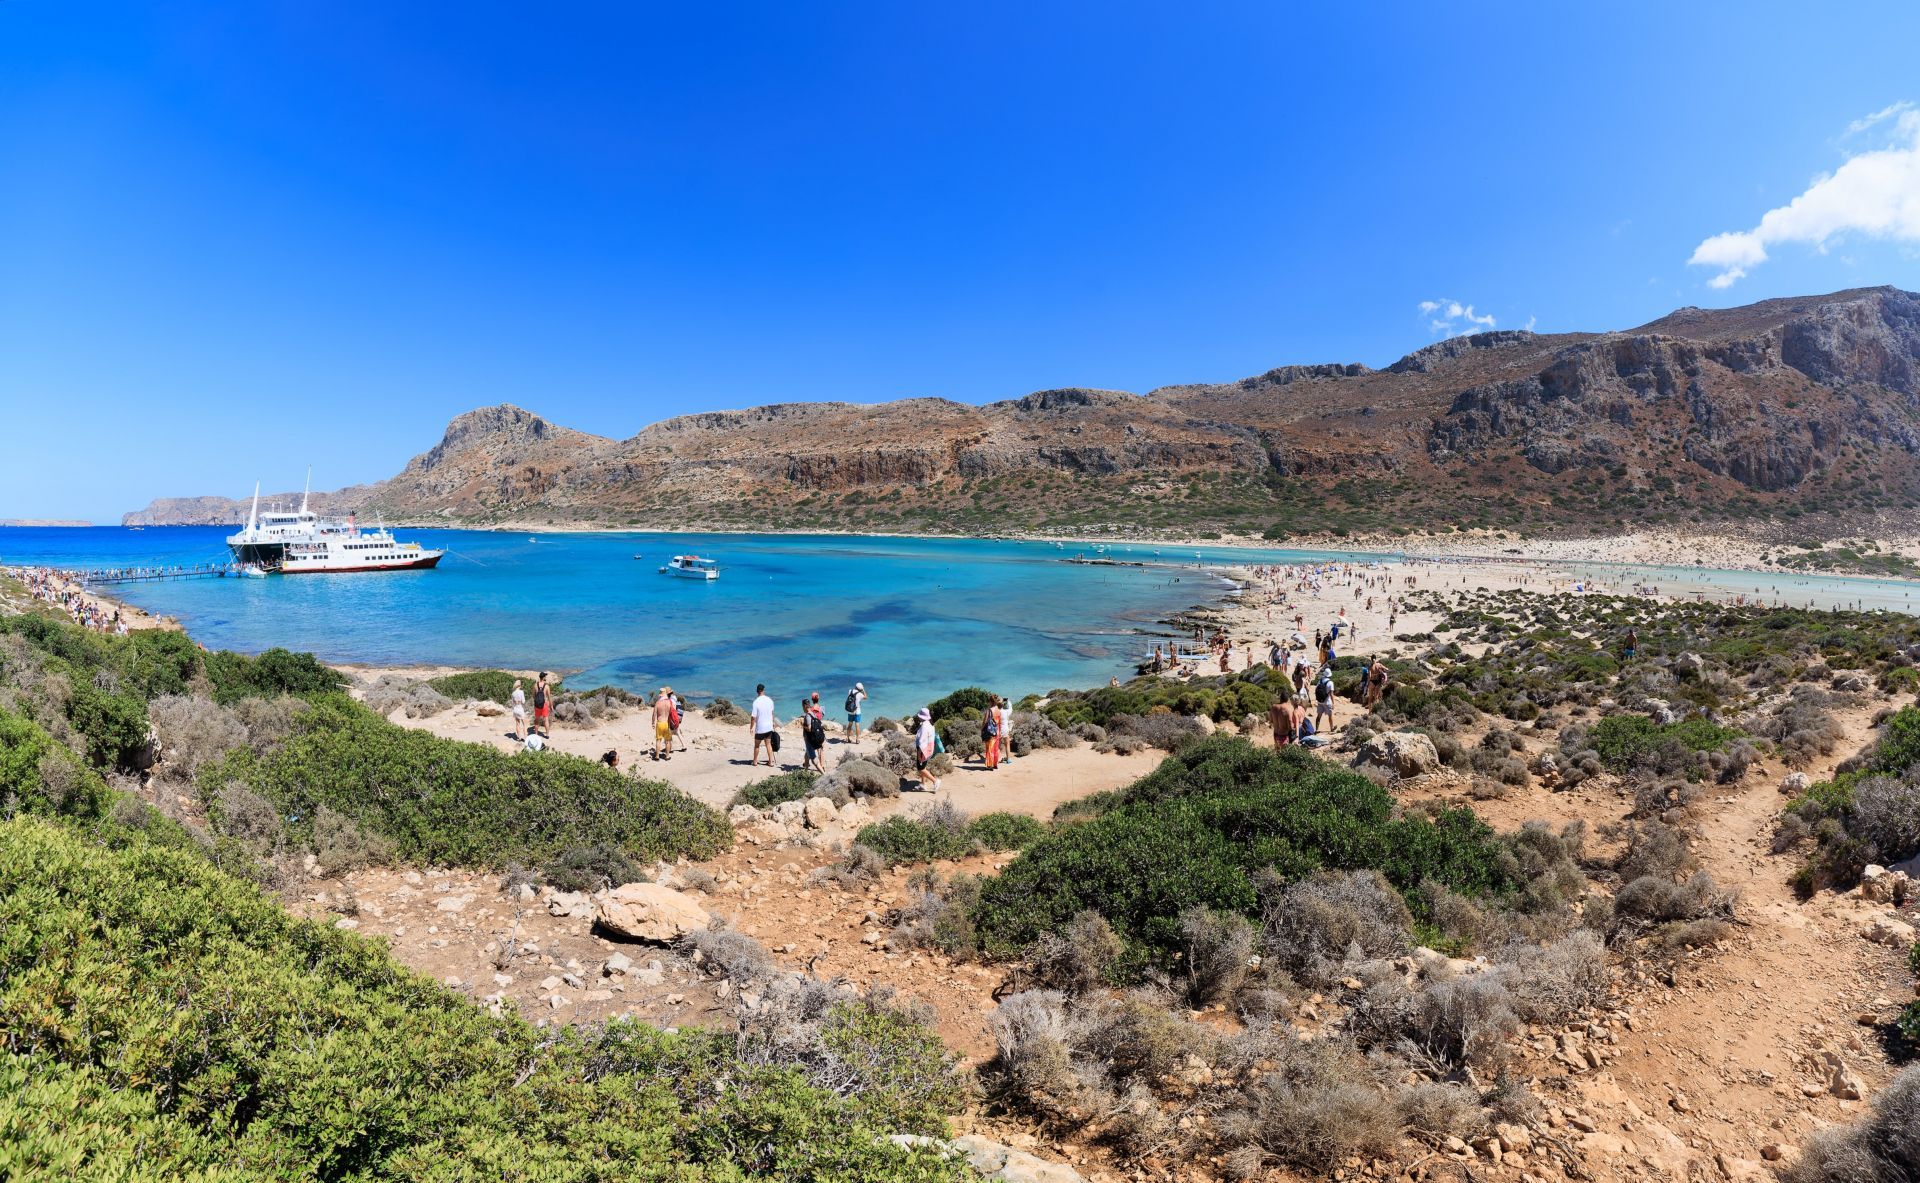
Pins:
x,y
419,564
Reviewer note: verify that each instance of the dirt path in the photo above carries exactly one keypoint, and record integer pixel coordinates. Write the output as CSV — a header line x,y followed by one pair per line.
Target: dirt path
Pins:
x,y
1721,1058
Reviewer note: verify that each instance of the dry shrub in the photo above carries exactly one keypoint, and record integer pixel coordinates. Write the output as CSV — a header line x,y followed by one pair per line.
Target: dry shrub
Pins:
x,y
269,721
1655,849
1882,1147
1549,983
1034,1065
938,913
729,954
860,865
1433,1111
1316,1108
340,845
1652,900
194,732
1168,732
1077,960
249,819
1032,731
1886,815
1219,948
1464,1020
1312,926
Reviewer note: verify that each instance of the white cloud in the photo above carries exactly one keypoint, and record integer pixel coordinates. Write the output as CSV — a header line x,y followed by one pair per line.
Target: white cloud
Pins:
x,y
1875,193
1450,318
1531,321
1884,113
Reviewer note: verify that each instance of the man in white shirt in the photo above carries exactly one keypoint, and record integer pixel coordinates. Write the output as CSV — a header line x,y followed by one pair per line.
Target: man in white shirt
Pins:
x,y
763,723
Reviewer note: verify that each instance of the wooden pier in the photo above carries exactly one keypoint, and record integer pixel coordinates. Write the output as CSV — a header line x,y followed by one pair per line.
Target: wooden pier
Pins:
x,y
97,577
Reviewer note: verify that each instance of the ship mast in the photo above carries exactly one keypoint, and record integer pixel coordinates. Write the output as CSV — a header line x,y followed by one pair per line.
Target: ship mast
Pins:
x,y
308,489
253,515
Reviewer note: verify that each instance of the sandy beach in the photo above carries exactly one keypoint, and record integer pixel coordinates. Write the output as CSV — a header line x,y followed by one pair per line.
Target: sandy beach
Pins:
x,y
715,765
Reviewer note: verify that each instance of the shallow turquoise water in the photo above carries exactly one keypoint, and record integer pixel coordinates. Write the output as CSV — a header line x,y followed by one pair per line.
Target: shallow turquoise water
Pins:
x,y
912,618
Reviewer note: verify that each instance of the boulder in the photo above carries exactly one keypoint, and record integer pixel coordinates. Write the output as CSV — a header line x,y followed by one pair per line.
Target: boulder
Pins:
x,y
853,815
1407,753
1689,666
650,912
1203,725
1793,784
1882,886
996,1160
741,815
820,813
1889,930
569,903
790,813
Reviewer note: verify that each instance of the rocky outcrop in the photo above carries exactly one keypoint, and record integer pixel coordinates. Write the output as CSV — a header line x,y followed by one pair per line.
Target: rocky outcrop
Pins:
x,y
1773,398
1405,753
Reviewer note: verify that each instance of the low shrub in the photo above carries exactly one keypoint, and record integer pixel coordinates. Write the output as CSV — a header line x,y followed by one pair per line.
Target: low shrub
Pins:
x,y
773,790
443,801
1006,831
487,686
1197,829
351,1067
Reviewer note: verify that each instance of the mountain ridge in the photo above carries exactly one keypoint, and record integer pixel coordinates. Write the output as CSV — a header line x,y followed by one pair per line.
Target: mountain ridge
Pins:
x,y
1787,409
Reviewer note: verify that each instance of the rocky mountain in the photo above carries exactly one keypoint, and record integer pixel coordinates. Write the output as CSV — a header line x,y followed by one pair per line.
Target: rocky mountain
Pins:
x,y
1792,410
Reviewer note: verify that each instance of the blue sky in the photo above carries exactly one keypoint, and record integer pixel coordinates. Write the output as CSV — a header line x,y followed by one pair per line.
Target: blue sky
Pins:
x,y
236,239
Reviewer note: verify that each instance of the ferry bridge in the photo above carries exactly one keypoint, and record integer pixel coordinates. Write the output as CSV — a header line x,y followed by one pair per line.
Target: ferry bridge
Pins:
x,y
96,577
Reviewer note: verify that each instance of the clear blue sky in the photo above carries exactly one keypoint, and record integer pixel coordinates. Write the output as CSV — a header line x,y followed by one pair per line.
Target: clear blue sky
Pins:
x,y
236,239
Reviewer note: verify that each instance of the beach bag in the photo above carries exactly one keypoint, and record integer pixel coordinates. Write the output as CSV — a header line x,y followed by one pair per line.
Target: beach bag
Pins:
x,y
988,728
853,702
773,740
673,716
816,731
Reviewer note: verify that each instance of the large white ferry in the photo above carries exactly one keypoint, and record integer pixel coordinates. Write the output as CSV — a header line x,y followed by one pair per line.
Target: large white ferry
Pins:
x,y
304,543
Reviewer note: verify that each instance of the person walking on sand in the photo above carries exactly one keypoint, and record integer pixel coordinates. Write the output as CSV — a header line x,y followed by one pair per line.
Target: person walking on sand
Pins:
x,y
856,702
543,706
1323,697
518,702
926,745
678,712
663,725
813,730
993,731
764,726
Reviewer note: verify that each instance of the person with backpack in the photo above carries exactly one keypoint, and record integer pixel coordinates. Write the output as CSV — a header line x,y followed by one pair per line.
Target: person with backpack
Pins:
x,y
926,745
543,707
993,731
813,730
674,716
856,700
1323,697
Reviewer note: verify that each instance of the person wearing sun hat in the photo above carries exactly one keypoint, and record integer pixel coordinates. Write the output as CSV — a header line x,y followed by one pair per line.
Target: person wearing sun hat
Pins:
x,y
856,700
926,745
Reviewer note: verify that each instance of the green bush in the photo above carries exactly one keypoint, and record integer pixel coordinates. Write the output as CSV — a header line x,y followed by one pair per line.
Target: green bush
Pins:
x,y
1624,741
166,1020
40,776
902,839
968,699
444,801
270,675
786,786
1195,831
486,685
1899,748
1006,831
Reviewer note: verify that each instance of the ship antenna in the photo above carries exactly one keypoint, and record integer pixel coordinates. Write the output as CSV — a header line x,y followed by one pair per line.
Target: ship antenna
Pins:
x,y
307,490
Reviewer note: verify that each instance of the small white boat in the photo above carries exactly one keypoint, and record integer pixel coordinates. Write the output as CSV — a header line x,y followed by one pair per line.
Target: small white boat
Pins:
x,y
251,571
691,567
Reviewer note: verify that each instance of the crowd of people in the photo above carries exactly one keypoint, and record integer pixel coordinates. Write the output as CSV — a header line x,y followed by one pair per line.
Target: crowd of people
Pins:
x,y
65,593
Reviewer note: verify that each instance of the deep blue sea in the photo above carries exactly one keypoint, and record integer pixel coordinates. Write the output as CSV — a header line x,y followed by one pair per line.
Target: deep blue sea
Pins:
x,y
913,618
